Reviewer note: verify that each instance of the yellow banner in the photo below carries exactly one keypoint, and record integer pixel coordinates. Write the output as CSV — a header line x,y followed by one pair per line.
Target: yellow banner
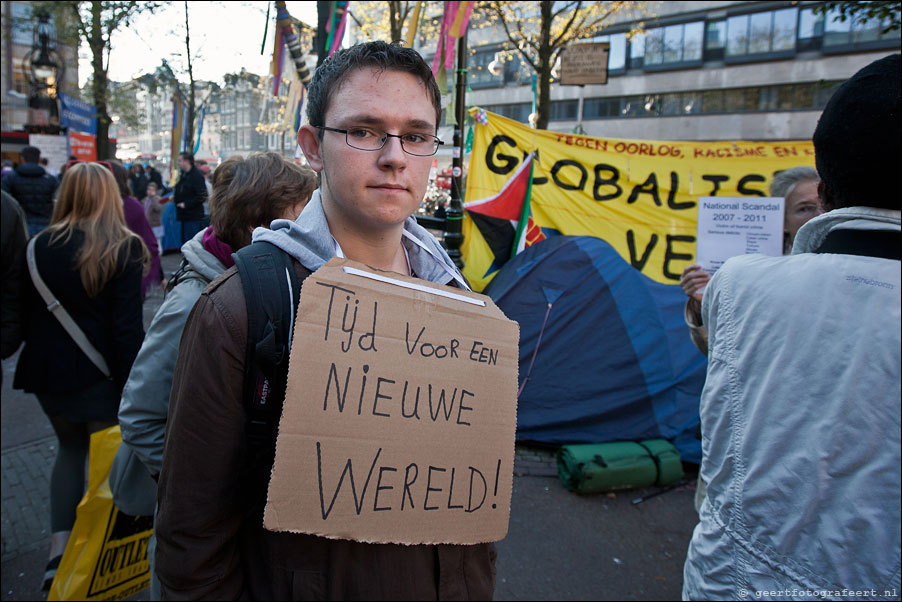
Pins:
x,y
641,196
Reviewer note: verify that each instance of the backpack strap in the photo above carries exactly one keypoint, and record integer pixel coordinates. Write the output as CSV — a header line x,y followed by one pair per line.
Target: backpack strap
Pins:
x,y
271,293
180,275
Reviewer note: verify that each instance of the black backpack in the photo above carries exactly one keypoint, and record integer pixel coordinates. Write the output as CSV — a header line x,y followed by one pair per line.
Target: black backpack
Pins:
x,y
271,292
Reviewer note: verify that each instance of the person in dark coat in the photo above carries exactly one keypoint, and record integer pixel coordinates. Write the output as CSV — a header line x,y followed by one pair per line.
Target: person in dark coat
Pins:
x,y
138,180
14,237
154,176
190,196
136,220
92,264
33,187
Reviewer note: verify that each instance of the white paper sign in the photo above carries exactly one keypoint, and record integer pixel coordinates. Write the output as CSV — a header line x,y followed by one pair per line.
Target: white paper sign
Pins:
x,y
730,226
53,148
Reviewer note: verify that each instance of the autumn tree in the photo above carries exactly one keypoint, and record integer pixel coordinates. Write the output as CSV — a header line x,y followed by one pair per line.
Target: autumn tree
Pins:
x,y
382,20
94,23
388,21
539,31
887,13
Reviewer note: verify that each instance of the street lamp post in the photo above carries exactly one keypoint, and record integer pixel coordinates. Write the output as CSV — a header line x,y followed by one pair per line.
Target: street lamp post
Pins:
x,y
453,236
45,69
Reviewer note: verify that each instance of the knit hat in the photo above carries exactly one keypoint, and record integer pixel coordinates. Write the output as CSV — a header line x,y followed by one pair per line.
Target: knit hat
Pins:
x,y
857,139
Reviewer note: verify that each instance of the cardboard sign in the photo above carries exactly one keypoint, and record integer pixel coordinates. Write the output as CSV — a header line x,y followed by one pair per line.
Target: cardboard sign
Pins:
x,y
583,64
731,226
399,419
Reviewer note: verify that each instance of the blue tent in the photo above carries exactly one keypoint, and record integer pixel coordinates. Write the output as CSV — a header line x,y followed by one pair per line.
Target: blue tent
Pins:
x,y
605,354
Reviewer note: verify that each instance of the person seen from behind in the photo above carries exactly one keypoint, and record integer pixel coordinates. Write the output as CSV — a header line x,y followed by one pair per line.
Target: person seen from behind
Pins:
x,y
247,193
138,180
190,196
800,413
136,220
93,265
14,237
33,187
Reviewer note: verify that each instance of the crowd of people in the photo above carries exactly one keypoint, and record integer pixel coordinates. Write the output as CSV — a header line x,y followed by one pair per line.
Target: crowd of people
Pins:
x,y
800,413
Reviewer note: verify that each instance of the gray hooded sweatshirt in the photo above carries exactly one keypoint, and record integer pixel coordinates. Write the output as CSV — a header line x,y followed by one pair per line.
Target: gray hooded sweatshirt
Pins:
x,y
308,240
145,399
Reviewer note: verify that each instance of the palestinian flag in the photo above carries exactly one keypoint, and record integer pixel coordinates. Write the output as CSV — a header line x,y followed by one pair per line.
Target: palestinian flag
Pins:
x,y
504,219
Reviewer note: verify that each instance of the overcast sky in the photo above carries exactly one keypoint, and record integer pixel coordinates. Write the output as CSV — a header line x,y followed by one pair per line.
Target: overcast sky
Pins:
x,y
225,36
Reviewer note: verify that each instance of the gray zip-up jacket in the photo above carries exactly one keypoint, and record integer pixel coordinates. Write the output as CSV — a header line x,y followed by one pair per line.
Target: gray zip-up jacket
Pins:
x,y
309,241
145,399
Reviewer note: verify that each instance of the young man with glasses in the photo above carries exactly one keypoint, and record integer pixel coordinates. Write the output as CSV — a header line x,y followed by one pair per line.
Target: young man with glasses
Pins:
x,y
373,112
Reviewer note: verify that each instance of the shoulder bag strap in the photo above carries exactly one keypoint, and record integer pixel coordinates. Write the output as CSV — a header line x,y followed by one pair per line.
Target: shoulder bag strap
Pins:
x,y
59,312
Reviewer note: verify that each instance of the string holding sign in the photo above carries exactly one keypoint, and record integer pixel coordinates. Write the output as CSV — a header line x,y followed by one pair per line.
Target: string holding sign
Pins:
x,y
412,286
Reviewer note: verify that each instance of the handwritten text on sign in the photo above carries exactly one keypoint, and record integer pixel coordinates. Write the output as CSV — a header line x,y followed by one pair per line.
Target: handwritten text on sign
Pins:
x,y
398,424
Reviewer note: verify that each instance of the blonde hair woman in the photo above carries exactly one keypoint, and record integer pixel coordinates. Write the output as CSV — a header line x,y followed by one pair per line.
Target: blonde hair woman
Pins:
x,y
93,264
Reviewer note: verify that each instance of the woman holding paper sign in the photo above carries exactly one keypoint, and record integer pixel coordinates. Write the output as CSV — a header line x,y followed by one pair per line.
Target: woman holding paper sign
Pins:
x,y
798,186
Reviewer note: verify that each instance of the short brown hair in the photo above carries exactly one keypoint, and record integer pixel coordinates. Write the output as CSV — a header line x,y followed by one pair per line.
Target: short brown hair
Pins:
x,y
253,192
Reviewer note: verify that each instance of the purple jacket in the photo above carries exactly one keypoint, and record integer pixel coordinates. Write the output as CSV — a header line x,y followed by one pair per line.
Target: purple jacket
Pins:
x,y
137,223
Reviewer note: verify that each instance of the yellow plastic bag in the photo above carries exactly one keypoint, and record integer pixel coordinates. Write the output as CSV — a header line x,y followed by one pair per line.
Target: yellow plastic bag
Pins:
x,y
106,557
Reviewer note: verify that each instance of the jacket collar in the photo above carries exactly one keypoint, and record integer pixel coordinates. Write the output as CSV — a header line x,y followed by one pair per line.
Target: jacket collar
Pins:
x,y
309,240
812,235
30,170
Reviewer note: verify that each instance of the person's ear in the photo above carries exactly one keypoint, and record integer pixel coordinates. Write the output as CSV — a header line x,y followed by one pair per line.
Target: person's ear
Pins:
x,y
824,195
311,145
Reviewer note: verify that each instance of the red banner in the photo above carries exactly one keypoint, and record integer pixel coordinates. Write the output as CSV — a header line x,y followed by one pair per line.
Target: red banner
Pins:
x,y
83,146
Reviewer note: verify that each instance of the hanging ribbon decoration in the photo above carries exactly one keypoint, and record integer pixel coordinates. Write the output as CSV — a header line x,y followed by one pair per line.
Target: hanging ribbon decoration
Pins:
x,y
278,59
414,24
336,26
292,42
454,24
200,128
178,134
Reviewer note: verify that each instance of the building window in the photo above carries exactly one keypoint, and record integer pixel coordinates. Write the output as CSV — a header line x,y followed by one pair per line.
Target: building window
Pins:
x,y
517,112
714,40
674,45
811,30
617,53
478,74
771,32
846,35
596,108
23,23
753,99
637,51
564,110
20,77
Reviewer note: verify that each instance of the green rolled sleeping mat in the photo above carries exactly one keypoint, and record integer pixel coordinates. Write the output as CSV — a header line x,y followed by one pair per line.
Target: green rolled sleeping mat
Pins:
x,y
599,467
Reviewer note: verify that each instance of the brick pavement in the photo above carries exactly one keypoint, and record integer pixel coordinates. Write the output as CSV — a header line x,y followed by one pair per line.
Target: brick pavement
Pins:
x,y
26,496
25,486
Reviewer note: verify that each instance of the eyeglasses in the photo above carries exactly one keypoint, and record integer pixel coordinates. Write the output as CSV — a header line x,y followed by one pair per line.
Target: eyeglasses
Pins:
x,y
72,162
368,139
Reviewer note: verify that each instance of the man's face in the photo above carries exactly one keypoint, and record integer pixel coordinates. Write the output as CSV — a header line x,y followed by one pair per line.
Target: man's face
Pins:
x,y
184,164
802,204
373,189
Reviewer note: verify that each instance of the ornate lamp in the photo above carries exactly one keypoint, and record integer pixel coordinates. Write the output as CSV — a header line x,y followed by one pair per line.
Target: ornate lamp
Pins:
x,y
45,67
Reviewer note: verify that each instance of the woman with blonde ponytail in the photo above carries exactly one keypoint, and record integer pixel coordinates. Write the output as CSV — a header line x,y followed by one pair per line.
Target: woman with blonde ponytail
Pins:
x,y
93,264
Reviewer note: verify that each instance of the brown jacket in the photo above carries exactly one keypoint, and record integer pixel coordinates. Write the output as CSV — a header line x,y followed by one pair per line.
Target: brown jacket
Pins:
x,y
206,547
